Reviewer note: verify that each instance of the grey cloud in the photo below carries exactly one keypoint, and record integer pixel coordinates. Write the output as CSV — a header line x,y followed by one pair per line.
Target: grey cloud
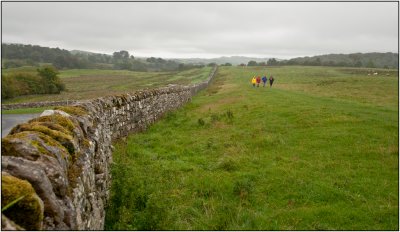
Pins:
x,y
183,29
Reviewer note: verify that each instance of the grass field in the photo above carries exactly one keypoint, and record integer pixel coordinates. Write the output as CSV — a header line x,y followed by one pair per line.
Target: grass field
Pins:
x,y
318,151
92,83
27,110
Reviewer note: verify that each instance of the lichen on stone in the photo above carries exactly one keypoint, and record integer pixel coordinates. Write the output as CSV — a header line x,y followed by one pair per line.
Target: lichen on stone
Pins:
x,y
27,212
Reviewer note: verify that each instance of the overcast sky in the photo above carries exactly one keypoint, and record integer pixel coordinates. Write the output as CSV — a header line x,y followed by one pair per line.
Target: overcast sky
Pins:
x,y
193,29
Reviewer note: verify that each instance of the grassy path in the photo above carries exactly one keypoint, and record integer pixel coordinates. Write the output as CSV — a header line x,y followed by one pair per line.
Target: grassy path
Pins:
x,y
286,158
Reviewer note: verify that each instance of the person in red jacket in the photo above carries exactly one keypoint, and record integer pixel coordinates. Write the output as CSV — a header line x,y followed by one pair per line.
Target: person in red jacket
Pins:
x,y
258,81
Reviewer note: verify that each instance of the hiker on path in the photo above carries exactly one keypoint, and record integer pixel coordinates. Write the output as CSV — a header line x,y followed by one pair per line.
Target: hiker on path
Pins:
x,y
258,81
264,79
253,81
271,81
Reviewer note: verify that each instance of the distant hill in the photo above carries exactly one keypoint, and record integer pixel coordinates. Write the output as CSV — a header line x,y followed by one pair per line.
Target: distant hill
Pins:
x,y
75,52
234,60
370,60
18,55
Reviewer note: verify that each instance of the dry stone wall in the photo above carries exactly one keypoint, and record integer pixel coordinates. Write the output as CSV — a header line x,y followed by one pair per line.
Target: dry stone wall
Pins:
x,y
57,166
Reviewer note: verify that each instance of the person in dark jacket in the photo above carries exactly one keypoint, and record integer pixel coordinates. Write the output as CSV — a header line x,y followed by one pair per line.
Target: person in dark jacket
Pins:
x,y
258,81
264,79
271,81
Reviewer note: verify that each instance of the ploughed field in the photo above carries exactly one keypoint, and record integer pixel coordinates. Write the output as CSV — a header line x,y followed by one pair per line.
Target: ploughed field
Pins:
x,y
318,151
92,83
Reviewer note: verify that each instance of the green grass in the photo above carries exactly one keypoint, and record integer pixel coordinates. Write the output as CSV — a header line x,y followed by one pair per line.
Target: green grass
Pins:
x,y
23,69
26,110
93,83
318,151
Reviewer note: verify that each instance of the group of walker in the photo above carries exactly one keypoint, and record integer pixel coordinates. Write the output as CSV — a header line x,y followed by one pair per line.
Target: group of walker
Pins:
x,y
257,80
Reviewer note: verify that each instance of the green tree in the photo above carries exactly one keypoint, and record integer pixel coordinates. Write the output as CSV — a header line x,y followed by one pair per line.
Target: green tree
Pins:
x,y
121,55
252,63
8,87
370,64
123,64
51,82
139,66
356,59
272,62
318,62
151,60
358,64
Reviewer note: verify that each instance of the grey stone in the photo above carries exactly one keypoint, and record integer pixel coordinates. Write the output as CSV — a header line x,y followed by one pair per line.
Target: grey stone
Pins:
x,y
7,224
30,171
51,112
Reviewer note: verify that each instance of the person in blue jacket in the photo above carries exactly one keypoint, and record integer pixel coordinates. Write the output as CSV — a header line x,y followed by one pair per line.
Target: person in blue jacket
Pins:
x,y
264,79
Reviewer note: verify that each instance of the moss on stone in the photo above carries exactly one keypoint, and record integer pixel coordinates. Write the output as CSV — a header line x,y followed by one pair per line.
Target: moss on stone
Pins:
x,y
75,110
10,144
58,119
54,143
56,127
39,125
65,139
74,171
9,147
40,148
86,143
28,212
50,141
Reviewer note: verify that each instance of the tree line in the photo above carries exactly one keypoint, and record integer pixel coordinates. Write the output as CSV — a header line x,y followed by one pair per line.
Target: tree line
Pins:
x,y
368,60
49,60
18,55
